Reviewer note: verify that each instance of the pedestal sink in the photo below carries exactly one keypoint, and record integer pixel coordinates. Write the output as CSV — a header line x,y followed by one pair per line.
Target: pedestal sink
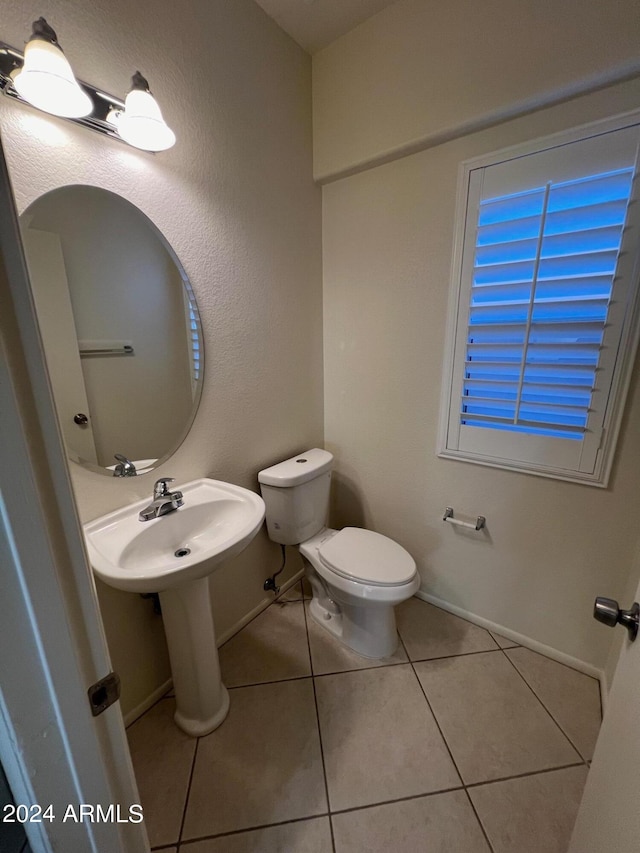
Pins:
x,y
174,555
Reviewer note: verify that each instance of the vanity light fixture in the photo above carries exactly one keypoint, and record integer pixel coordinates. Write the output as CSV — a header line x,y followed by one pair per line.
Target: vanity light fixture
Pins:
x,y
46,80
141,124
42,77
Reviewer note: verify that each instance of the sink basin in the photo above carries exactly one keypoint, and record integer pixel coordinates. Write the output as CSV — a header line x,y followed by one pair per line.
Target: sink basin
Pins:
x,y
216,522
174,556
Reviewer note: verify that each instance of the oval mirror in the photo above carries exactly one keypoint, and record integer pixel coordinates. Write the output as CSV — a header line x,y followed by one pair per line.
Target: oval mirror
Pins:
x,y
120,328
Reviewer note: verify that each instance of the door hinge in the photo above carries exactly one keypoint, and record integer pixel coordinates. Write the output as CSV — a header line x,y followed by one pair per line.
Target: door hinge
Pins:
x,y
104,693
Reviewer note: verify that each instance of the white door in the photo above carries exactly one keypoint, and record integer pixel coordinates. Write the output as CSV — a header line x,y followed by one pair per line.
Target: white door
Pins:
x,y
52,646
50,290
609,816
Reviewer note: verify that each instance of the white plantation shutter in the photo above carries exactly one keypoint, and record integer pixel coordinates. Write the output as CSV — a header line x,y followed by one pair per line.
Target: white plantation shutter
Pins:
x,y
546,281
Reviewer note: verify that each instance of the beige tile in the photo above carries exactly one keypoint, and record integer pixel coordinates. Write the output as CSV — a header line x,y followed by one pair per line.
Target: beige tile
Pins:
x,y
304,836
262,766
330,655
270,648
429,632
162,757
533,814
572,697
442,823
379,738
306,588
493,724
503,642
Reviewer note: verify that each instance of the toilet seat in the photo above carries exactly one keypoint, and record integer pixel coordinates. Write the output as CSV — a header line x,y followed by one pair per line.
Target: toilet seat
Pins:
x,y
362,555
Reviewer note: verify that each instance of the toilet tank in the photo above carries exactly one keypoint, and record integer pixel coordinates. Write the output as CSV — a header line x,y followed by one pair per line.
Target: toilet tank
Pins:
x,y
296,496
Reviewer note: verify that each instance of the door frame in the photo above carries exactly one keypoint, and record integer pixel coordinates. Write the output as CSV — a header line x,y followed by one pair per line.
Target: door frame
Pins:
x,y
53,645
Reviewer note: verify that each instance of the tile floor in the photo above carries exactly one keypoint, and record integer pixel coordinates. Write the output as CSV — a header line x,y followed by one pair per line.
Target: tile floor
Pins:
x,y
462,742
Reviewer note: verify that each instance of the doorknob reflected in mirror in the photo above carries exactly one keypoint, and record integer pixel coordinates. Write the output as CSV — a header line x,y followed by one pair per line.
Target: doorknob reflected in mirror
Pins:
x,y
607,611
80,419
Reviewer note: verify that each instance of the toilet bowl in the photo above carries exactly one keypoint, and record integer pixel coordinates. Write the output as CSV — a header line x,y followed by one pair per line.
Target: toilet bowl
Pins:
x,y
357,576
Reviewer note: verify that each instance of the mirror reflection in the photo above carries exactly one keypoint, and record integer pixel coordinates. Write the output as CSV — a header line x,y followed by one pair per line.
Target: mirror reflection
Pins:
x,y
120,328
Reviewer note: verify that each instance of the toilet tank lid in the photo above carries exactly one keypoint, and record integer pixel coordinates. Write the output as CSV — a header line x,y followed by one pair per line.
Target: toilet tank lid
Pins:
x,y
299,469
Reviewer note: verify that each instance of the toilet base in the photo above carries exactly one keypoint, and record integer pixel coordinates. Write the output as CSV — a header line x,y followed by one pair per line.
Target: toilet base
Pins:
x,y
369,631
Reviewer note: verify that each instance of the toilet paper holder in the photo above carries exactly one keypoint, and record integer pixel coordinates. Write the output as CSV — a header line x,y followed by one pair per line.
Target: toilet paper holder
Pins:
x,y
448,516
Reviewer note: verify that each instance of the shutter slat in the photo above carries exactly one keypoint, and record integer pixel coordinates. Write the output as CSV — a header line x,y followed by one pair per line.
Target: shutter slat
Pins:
x,y
503,411
586,217
566,312
512,207
581,242
507,232
549,411
594,189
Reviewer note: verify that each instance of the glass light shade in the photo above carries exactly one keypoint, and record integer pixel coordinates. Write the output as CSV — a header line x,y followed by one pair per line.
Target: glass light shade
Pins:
x,y
141,124
46,81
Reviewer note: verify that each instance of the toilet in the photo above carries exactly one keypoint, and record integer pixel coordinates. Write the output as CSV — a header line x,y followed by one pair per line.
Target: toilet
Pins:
x,y
357,576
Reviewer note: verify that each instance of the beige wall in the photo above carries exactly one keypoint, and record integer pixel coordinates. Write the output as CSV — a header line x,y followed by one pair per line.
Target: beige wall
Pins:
x,y
550,547
421,71
235,200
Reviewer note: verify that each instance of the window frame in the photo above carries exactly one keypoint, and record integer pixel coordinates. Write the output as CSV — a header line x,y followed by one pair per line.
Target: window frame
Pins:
x,y
630,327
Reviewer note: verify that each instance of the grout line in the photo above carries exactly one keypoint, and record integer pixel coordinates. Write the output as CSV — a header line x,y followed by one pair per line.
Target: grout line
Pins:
x,y
315,699
480,823
459,655
263,683
584,760
444,740
424,693
495,636
186,799
189,841
524,775
398,800
402,662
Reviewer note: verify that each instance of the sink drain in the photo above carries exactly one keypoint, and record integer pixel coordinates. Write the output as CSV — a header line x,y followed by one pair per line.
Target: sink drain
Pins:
x,y
182,552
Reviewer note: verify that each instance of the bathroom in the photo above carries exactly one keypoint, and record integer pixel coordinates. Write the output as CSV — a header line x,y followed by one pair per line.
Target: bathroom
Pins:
x,y
323,286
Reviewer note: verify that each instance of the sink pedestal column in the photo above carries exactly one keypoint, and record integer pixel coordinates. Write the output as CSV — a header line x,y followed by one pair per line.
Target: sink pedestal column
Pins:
x,y
201,697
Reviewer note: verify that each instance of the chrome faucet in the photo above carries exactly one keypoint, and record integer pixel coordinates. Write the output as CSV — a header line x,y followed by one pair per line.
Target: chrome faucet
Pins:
x,y
125,467
164,501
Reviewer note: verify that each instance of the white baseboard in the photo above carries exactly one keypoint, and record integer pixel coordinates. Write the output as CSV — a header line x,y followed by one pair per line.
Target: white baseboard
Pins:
x,y
520,639
152,698
266,602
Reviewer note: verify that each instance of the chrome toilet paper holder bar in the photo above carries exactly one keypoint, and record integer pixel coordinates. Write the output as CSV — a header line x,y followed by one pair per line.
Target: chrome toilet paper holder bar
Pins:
x,y
448,516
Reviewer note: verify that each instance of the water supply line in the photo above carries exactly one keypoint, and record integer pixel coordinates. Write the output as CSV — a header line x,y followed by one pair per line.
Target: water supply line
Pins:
x,y
270,583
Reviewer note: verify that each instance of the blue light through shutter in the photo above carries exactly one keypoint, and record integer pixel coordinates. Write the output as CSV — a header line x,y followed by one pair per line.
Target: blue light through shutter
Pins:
x,y
194,334
544,266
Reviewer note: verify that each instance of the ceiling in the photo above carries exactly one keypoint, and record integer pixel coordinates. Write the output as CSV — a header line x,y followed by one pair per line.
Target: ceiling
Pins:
x,y
316,23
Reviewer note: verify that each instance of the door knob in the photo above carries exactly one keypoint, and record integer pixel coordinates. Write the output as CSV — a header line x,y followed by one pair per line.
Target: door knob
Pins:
x,y
606,610
80,419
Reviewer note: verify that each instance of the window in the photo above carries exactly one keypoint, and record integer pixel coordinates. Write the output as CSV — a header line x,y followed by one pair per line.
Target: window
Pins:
x,y
544,309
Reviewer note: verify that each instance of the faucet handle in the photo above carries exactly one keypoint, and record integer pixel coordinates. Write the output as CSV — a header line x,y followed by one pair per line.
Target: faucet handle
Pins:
x,y
125,467
160,487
